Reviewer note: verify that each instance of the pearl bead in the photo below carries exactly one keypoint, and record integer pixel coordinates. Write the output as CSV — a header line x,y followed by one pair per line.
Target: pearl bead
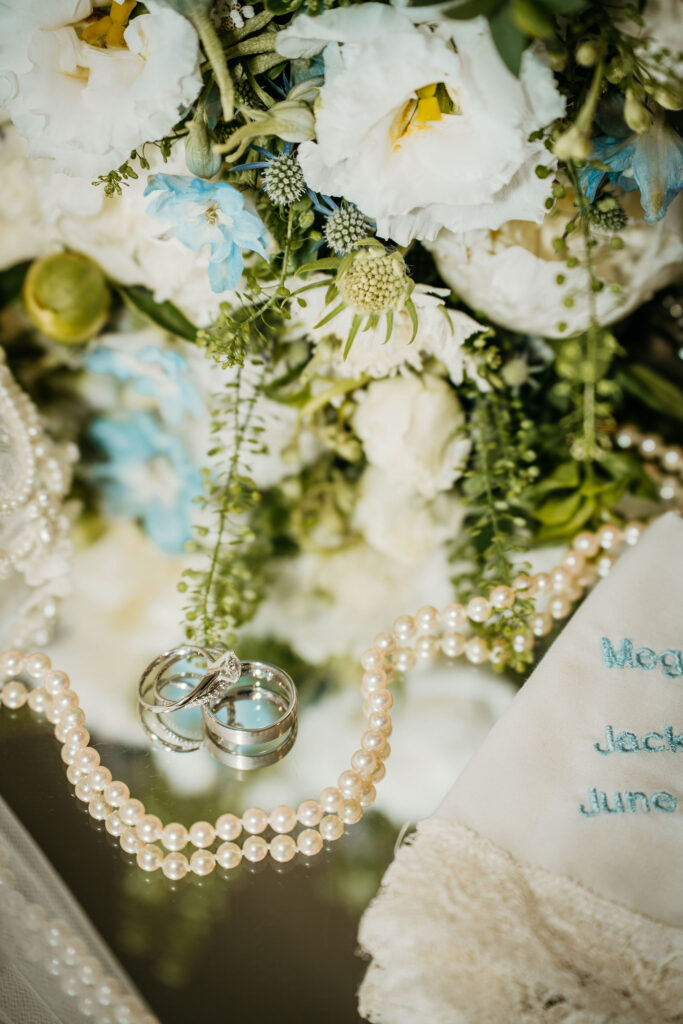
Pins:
x,y
650,446
522,642
64,702
56,682
373,739
426,647
381,701
113,824
39,701
149,858
478,609
560,607
86,758
309,842
175,866
404,628
632,532
282,849
453,644
99,778
174,837
74,774
351,811
379,721
202,834
98,808
385,643
363,762
587,576
368,795
574,593
404,659
228,826
282,819
331,827
349,784
37,665
604,564
84,790
254,820
383,753
453,617
542,583
573,560
309,813
376,680
560,579
148,828
427,618
71,718
14,695
77,737
330,800
228,855
609,536
128,840
202,862
116,793
502,597
11,663
499,652
524,584
131,811
541,624
587,543
476,650
672,459
254,849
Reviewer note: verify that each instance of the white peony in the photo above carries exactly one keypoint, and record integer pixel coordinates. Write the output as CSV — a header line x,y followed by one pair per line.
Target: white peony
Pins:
x,y
511,274
87,106
402,523
23,234
411,428
410,165
440,334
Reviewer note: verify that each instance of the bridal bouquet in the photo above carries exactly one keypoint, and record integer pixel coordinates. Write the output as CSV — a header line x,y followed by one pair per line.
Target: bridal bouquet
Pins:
x,y
343,304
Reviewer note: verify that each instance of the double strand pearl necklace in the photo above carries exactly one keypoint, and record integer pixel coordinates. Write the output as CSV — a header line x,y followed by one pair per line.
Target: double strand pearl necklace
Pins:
x,y
412,639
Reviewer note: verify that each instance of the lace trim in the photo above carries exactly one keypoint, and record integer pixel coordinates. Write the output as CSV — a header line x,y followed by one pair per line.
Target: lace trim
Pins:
x,y
460,933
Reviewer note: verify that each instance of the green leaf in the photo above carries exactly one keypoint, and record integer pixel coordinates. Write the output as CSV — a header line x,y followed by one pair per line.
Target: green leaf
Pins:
x,y
163,314
565,477
330,316
412,313
531,20
355,326
390,325
565,6
570,526
11,283
510,41
471,9
556,511
329,263
652,389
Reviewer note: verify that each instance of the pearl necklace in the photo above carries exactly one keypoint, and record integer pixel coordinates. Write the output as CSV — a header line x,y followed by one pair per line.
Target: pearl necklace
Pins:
x,y
412,639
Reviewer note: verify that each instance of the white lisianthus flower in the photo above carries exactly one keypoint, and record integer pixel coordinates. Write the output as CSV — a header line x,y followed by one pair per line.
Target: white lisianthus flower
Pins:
x,y
512,274
411,429
402,523
84,105
423,126
440,333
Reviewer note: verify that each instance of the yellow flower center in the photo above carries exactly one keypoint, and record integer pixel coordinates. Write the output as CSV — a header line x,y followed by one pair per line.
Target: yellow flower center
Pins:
x,y
108,30
429,106
211,213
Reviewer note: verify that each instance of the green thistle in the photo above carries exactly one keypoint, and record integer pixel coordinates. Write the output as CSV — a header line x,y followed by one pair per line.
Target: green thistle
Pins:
x,y
607,215
283,180
345,228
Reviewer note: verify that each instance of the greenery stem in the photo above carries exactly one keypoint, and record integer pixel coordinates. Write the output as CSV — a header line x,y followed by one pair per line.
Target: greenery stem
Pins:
x,y
214,51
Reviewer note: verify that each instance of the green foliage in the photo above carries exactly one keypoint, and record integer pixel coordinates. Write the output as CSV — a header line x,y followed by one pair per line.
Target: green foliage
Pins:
x,y
164,314
115,181
652,389
11,282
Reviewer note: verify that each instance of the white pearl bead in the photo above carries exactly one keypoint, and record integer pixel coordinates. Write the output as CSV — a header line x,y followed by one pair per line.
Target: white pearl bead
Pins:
x,y
14,695
77,737
64,701
330,800
175,866
560,607
385,643
478,609
254,849
309,813
228,826
148,828
202,834
379,720
560,579
349,784
453,644
84,790
351,811
282,848
633,532
524,585
502,597
86,758
381,701
98,808
587,543
37,665
202,862
573,560
373,681
131,811
609,536
149,858
128,840
282,819
309,842
522,642
99,778
113,824
476,650
604,564
363,762
371,660
11,663
587,576
453,617
69,719
372,740
56,682
404,628
74,774
405,659
650,446
116,793
368,795
426,647
331,827
541,624
175,837
542,583
228,855
254,820
39,701
499,652
427,618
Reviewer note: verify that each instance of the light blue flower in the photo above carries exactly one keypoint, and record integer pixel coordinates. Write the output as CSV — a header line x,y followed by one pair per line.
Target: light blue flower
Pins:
x,y
205,214
162,374
149,475
651,163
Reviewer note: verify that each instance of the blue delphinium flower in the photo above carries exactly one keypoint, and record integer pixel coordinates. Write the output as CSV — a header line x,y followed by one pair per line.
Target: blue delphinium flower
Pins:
x,y
208,214
161,374
651,163
149,475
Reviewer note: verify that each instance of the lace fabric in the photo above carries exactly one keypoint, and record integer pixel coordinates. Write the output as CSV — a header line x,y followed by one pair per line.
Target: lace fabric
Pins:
x,y
461,933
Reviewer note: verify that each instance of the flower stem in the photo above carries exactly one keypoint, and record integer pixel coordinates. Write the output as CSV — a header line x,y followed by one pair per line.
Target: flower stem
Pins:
x,y
214,51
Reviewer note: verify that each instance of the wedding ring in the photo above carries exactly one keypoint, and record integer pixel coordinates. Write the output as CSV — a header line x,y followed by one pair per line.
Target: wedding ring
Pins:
x,y
220,669
250,761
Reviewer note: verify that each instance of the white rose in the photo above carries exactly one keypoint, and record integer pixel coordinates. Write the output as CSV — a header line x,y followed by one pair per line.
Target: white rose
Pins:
x,y
401,523
87,106
511,274
23,234
440,333
411,428
413,167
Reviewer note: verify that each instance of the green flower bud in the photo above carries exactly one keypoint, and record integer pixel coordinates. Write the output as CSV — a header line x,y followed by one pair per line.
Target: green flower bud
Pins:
x,y
637,117
200,158
557,59
67,297
574,144
669,98
587,54
532,20
615,73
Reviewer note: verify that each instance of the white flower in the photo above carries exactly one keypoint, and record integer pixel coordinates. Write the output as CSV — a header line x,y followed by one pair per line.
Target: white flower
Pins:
x,y
402,523
511,274
402,158
440,333
23,234
411,428
87,106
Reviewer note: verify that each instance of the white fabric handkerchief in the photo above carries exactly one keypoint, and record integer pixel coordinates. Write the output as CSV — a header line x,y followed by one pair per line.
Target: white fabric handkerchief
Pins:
x,y
548,886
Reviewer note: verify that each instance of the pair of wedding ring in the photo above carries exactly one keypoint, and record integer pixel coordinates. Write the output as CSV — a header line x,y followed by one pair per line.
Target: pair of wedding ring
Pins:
x,y
248,709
